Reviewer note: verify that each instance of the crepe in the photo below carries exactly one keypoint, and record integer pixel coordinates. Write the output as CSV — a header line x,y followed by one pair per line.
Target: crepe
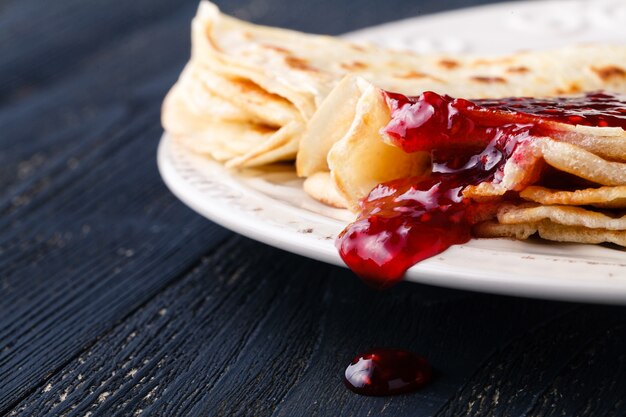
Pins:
x,y
594,212
253,95
249,93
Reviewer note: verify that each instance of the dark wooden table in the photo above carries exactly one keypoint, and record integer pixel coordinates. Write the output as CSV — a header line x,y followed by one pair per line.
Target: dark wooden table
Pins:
x,y
116,299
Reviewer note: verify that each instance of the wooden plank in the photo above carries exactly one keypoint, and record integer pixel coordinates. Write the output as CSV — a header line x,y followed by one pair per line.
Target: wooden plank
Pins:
x,y
117,300
117,237
195,330
254,331
39,44
97,96
532,375
593,383
89,230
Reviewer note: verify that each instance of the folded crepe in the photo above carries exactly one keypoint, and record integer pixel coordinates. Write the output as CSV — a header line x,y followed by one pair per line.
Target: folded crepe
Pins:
x,y
249,92
565,181
253,95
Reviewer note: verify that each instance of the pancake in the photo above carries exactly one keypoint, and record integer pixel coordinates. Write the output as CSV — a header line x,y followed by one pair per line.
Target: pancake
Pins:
x,y
275,81
533,143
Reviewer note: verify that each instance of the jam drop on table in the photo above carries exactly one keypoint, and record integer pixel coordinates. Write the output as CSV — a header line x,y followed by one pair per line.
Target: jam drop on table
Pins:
x,y
405,221
382,372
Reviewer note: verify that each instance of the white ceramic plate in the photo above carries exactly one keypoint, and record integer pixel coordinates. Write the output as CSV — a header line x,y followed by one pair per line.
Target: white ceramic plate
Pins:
x,y
270,206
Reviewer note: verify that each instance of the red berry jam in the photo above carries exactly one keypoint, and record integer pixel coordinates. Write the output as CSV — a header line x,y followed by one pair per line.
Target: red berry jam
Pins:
x,y
405,221
387,372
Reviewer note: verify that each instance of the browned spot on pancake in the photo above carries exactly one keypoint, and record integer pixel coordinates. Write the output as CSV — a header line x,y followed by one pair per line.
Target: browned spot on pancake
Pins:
x,y
609,72
489,80
354,65
518,70
417,74
247,35
299,63
276,48
261,128
449,64
573,88
245,84
209,37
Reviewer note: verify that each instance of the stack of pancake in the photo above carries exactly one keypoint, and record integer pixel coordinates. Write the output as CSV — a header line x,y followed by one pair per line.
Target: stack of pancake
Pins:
x,y
253,95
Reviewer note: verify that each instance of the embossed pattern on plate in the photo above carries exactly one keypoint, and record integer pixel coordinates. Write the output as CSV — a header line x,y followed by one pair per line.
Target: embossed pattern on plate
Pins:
x,y
269,205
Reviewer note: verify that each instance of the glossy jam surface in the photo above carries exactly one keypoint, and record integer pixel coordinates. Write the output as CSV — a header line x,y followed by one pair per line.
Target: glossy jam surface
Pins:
x,y
383,372
402,223
405,221
593,109
433,122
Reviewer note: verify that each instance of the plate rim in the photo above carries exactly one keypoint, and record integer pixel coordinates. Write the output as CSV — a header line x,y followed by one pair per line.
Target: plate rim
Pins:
x,y
431,272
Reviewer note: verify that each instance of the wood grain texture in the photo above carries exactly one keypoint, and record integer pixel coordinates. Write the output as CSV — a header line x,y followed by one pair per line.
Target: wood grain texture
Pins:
x,y
116,300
